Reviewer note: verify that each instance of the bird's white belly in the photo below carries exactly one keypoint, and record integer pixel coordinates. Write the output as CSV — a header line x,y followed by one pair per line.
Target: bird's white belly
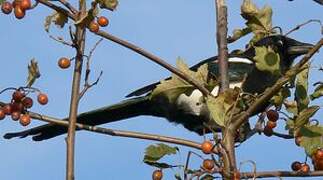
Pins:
x,y
193,103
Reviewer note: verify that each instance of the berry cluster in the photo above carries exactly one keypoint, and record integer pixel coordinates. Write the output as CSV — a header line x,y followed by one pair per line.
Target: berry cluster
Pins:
x,y
301,167
317,159
18,6
19,104
272,116
100,21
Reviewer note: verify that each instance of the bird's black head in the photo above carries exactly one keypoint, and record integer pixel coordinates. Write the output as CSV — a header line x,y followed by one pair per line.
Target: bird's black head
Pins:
x,y
288,48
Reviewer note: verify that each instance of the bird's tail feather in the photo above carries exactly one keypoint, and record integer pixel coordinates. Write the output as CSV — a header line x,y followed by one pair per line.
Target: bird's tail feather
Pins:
x,y
125,109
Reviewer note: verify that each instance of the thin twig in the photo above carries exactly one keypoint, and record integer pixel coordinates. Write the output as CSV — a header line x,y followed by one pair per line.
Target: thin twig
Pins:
x,y
87,86
268,174
303,24
57,8
61,40
68,6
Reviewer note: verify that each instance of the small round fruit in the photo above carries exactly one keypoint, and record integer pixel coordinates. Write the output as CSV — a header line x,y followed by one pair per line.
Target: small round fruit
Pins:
x,y
19,13
15,115
208,164
24,120
42,98
18,95
271,124
94,27
64,63
25,4
6,7
305,168
272,115
157,175
102,21
2,114
298,140
27,102
268,131
7,109
296,166
318,165
207,147
319,154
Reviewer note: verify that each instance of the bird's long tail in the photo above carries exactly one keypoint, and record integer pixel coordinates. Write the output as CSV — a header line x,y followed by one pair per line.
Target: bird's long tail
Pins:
x,y
123,110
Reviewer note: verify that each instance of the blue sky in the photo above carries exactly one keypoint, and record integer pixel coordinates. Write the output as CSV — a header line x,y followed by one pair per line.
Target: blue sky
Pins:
x,y
166,28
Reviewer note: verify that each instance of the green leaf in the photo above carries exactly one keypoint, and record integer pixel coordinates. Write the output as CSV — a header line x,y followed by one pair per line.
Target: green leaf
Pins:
x,y
159,165
88,17
170,89
57,18
311,139
154,153
304,116
267,60
1,1
318,92
108,4
33,72
301,96
221,107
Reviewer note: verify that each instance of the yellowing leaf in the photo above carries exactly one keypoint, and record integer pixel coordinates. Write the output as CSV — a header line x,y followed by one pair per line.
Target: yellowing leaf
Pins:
x,y
238,33
221,107
267,60
108,4
88,17
33,72
154,153
58,18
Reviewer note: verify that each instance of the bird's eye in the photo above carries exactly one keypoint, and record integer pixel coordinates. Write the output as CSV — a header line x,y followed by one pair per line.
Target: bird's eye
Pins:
x,y
280,43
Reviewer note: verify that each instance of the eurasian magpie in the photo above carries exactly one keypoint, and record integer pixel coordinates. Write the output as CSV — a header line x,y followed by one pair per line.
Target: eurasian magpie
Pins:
x,y
187,109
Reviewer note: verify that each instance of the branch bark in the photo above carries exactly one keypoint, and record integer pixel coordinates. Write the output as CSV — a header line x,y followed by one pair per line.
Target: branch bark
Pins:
x,y
80,46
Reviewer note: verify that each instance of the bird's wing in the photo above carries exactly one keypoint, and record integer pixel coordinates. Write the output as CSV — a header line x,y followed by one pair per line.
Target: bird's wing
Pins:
x,y
237,68
319,1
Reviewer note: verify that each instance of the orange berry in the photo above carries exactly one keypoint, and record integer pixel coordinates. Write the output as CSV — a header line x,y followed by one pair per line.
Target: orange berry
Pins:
x,y
207,147
102,21
305,168
298,140
25,4
268,131
157,175
319,154
94,27
19,12
271,124
2,114
64,63
272,115
7,109
15,115
27,102
42,98
296,166
25,120
6,7
208,164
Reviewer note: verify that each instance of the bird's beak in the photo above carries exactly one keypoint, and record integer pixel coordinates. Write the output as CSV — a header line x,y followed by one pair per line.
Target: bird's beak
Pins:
x,y
299,48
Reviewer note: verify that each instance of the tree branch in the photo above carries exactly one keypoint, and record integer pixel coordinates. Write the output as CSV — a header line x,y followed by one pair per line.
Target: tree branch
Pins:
x,y
267,174
80,46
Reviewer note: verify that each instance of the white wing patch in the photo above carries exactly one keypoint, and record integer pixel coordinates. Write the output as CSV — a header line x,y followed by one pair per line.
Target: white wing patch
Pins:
x,y
192,104
239,60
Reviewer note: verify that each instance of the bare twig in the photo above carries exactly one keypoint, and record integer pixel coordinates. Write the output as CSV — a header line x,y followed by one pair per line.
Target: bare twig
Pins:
x,y
61,40
57,8
303,24
69,6
87,86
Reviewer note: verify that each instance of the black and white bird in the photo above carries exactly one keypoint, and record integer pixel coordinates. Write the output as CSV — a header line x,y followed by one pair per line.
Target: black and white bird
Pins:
x,y
187,110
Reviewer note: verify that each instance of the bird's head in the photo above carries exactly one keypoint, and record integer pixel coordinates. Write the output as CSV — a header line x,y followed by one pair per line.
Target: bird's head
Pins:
x,y
288,48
